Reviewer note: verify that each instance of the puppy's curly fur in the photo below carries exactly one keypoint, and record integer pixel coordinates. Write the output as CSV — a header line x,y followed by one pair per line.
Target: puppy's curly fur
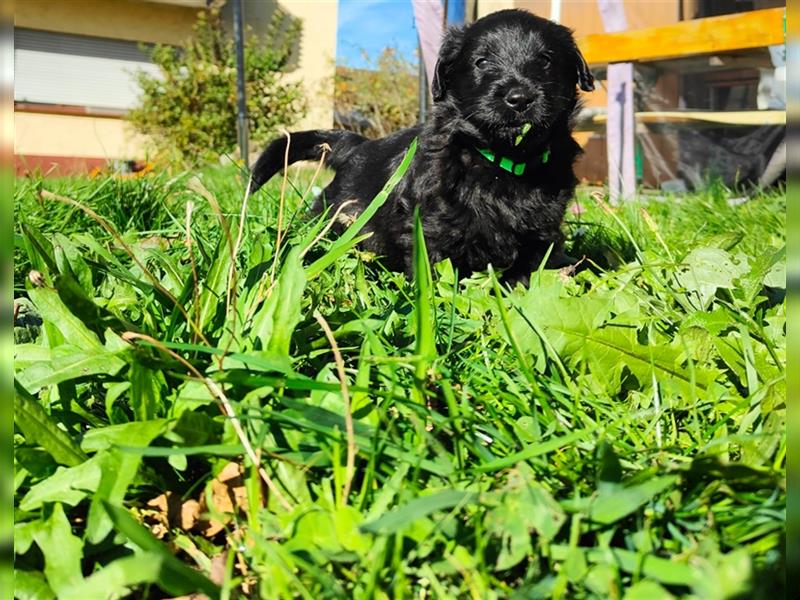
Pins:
x,y
492,77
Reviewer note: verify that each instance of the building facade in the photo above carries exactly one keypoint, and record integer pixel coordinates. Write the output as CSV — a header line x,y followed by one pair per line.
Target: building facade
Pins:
x,y
73,66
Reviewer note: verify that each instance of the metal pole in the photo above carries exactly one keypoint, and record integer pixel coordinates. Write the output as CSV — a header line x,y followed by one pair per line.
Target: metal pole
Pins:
x,y
423,87
241,104
555,11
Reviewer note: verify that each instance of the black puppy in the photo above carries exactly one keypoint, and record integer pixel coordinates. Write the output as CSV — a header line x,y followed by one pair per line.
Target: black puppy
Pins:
x,y
493,170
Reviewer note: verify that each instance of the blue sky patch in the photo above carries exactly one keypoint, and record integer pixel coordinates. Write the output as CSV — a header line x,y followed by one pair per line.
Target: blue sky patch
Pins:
x,y
372,25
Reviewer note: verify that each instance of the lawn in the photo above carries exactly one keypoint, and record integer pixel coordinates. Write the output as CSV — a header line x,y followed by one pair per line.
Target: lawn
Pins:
x,y
220,398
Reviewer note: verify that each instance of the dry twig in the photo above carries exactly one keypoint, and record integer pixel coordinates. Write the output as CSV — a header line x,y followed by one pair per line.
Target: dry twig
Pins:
x,y
225,405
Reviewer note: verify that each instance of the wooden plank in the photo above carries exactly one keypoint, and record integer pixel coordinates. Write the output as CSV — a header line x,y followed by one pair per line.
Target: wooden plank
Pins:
x,y
733,117
620,133
620,124
66,109
699,117
740,31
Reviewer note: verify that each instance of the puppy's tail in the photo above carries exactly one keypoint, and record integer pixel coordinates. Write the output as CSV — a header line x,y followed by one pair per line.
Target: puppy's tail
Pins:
x,y
303,145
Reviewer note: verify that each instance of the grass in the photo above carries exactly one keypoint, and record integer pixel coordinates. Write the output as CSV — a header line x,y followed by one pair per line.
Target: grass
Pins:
x,y
209,409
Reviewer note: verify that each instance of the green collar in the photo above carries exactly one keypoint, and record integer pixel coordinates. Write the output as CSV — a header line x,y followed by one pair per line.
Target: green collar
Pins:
x,y
509,165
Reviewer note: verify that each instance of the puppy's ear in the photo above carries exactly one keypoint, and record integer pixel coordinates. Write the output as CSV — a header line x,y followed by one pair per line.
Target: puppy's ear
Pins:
x,y
585,77
451,46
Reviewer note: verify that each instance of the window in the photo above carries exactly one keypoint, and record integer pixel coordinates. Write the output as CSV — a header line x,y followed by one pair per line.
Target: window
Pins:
x,y
76,70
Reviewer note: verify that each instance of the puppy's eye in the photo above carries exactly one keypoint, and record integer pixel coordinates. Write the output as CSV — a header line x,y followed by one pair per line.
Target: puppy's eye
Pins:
x,y
482,63
545,60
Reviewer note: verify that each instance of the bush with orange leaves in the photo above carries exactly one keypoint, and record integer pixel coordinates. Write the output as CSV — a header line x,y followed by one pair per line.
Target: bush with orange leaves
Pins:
x,y
379,99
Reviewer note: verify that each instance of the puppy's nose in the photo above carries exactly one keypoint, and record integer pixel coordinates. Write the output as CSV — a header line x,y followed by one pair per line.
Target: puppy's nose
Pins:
x,y
518,99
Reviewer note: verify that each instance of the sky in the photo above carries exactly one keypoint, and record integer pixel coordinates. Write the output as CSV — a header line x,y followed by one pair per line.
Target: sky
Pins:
x,y
372,25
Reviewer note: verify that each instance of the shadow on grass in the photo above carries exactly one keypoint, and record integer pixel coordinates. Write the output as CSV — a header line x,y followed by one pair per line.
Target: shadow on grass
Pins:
x,y
600,247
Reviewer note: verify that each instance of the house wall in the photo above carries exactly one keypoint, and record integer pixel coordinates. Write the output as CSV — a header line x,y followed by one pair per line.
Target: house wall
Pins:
x,y
118,19
316,56
484,7
584,17
54,135
317,59
76,136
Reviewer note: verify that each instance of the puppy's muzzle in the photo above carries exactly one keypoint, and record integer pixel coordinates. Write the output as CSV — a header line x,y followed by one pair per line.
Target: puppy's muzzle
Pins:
x,y
518,99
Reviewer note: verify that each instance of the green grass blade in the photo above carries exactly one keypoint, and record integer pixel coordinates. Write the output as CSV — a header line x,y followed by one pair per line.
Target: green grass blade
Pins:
x,y
534,450
332,255
355,228
423,302
261,362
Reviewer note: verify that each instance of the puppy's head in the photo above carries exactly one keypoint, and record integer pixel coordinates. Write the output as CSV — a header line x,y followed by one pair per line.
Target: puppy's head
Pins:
x,y
508,69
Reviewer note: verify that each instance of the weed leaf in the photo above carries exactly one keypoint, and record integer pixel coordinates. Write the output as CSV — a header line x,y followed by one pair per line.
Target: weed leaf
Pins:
x,y
68,363
39,427
670,572
274,322
705,270
616,502
67,485
147,401
62,551
404,516
31,585
117,578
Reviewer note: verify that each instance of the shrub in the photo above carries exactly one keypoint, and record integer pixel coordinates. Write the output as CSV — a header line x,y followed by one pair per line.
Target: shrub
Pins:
x,y
380,99
189,109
